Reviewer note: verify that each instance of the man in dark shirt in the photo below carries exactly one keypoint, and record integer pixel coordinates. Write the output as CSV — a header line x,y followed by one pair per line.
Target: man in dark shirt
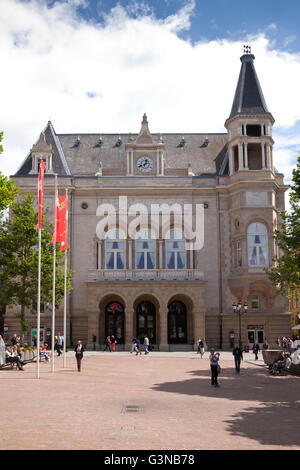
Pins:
x,y
238,356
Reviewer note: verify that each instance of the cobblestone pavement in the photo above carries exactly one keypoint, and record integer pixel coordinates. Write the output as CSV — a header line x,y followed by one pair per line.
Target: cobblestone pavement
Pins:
x,y
162,401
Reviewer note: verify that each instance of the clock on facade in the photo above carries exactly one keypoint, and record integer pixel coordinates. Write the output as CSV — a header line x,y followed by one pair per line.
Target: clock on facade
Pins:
x,y
144,164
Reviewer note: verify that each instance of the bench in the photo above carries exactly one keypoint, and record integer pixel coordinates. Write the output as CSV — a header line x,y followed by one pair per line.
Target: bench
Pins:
x,y
10,365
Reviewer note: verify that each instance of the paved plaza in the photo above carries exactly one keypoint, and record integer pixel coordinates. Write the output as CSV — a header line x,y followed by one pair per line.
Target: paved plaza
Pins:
x,y
162,401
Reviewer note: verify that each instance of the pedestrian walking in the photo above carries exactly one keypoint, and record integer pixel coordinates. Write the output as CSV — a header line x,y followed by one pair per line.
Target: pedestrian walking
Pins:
x,y
284,344
256,349
265,345
59,344
94,342
107,344
198,345
289,345
2,352
79,350
14,339
238,357
146,344
202,347
133,342
113,343
138,347
214,367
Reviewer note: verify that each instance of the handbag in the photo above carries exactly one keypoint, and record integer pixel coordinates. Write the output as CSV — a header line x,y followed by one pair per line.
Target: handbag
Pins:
x,y
218,369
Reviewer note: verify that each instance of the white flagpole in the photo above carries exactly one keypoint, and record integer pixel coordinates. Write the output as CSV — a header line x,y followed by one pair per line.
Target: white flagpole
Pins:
x,y
54,268
38,309
65,287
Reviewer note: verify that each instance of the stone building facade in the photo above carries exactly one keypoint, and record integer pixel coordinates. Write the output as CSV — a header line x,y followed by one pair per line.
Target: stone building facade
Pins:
x,y
158,282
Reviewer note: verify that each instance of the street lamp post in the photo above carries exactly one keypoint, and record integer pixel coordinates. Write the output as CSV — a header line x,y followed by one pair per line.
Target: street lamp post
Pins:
x,y
237,308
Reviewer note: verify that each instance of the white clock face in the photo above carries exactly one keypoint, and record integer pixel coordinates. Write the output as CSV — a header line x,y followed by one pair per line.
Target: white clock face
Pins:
x,y
144,164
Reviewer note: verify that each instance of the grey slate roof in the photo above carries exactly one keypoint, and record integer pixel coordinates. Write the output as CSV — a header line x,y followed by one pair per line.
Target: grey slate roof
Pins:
x,y
84,159
248,98
58,160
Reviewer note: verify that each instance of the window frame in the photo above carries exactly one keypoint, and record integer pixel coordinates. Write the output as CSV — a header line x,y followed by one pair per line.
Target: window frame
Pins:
x,y
257,246
115,251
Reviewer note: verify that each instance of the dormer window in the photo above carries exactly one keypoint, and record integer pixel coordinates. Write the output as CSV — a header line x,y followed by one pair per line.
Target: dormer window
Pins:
x,y
36,159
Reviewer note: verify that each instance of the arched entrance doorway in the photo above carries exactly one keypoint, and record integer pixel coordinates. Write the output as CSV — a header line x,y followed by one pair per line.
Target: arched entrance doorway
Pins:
x,y
146,321
177,323
114,321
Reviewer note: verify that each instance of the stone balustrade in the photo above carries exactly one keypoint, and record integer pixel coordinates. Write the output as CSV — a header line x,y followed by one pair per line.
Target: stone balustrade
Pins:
x,y
148,275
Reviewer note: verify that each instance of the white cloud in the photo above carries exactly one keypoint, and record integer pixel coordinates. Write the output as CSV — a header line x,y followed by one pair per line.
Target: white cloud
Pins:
x,y
54,62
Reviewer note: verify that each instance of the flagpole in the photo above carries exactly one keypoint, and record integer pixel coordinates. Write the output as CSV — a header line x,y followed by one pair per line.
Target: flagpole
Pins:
x,y
65,288
38,308
53,285
39,228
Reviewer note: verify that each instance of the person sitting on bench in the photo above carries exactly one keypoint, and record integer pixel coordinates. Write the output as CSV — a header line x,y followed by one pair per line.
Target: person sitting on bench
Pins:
x,y
13,358
43,351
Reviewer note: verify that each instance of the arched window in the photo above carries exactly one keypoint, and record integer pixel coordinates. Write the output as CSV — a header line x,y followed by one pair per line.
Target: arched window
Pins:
x,y
177,323
257,245
175,250
145,250
146,321
115,249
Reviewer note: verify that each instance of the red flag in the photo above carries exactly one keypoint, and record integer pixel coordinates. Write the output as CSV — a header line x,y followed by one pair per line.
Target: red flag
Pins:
x,y
62,223
41,193
56,217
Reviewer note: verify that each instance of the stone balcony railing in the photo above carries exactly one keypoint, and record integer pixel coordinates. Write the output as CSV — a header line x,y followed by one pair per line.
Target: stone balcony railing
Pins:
x,y
145,275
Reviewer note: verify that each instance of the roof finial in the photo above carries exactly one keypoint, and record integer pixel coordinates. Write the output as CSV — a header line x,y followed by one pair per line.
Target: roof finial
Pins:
x,y
247,49
145,121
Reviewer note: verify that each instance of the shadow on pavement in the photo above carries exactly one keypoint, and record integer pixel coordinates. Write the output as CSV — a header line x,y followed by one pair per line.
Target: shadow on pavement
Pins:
x,y
275,421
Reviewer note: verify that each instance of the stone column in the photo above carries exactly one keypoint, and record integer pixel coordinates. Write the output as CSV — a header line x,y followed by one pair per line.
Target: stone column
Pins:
x,y
128,163
99,254
93,328
161,261
246,155
263,156
198,323
130,254
129,312
230,157
241,166
268,157
163,326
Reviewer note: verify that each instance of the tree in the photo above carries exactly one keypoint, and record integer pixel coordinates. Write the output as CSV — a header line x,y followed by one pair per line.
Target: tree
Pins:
x,y
19,261
8,193
285,274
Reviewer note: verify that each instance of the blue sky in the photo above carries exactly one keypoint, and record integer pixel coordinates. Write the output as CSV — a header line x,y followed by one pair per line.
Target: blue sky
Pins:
x,y
223,19
98,65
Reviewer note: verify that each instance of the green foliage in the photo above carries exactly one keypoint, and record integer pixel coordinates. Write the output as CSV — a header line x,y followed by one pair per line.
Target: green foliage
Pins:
x,y
285,274
1,137
19,261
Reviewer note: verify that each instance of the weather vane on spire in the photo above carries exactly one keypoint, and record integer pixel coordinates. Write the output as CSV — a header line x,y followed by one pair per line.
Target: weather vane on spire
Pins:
x,y
247,49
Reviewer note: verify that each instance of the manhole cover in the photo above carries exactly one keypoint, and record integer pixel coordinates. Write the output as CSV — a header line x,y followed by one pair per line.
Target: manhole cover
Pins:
x,y
132,409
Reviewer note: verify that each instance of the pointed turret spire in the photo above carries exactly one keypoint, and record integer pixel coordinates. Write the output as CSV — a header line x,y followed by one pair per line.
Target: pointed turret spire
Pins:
x,y
248,98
